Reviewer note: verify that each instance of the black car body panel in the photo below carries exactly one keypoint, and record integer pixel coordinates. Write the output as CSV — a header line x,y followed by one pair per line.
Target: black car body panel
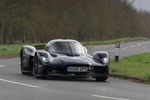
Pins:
x,y
64,57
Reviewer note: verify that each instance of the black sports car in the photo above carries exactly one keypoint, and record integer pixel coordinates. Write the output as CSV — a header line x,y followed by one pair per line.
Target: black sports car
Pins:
x,y
64,57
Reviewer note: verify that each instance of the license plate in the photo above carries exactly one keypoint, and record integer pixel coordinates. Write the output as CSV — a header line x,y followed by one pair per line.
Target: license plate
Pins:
x,y
77,69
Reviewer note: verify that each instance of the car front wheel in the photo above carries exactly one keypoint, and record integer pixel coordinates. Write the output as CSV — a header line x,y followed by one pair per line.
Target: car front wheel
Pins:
x,y
101,78
36,68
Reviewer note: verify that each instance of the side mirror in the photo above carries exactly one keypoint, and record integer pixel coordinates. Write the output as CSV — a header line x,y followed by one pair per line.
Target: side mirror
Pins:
x,y
101,56
85,49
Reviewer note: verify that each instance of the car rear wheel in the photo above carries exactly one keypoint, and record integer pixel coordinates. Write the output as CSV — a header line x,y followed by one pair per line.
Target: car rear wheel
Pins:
x,y
22,67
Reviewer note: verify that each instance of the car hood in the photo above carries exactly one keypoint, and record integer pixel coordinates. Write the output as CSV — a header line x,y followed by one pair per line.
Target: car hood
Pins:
x,y
82,60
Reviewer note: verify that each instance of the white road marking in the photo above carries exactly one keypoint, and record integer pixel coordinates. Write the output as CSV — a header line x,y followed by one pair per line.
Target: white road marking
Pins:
x,y
144,43
139,44
147,42
112,50
111,98
23,84
124,48
2,66
132,46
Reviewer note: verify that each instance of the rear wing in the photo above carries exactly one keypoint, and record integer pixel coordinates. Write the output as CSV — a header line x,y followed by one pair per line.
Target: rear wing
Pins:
x,y
30,50
38,47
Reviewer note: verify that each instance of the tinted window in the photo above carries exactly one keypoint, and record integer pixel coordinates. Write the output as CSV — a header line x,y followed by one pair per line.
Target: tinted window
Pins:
x,y
76,48
69,48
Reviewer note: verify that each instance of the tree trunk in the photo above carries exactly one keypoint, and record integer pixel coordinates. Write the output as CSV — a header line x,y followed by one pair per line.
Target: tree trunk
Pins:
x,y
2,32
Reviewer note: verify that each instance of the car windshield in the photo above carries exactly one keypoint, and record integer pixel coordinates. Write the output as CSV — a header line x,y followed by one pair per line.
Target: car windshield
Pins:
x,y
67,48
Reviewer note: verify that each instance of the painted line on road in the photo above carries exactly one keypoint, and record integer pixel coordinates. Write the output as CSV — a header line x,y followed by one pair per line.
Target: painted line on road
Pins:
x,y
112,50
107,97
144,43
18,83
147,42
132,46
124,48
139,44
2,66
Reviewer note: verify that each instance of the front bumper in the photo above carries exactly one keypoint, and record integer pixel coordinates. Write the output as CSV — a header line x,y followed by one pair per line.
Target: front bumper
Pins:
x,y
96,71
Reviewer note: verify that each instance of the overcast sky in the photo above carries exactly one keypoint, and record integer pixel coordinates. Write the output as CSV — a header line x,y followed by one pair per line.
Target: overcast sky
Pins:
x,y
142,4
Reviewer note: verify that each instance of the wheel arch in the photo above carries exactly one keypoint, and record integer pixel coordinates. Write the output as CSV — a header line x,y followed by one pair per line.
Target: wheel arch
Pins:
x,y
26,54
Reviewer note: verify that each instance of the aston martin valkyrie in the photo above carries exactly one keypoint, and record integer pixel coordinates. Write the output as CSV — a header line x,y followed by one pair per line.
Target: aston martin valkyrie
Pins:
x,y
64,57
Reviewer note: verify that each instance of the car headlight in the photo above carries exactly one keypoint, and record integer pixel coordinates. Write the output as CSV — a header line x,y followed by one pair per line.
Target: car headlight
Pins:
x,y
44,59
105,60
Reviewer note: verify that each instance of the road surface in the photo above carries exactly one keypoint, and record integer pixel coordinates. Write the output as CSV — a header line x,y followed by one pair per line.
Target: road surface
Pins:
x,y
14,86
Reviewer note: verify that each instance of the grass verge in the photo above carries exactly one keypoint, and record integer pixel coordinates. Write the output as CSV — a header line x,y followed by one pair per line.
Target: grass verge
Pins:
x,y
134,66
12,50
114,41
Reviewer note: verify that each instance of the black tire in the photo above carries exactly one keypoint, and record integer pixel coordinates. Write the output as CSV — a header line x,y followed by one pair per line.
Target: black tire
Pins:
x,y
35,69
22,67
101,78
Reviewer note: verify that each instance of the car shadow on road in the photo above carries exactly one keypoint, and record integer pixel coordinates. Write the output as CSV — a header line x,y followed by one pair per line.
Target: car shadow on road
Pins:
x,y
70,79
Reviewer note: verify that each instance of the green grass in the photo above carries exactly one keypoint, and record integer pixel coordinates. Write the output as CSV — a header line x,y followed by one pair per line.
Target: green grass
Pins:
x,y
12,50
114,41
136,66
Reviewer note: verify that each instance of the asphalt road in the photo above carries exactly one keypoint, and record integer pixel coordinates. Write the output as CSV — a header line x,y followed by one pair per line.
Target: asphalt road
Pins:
x,y
14,86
